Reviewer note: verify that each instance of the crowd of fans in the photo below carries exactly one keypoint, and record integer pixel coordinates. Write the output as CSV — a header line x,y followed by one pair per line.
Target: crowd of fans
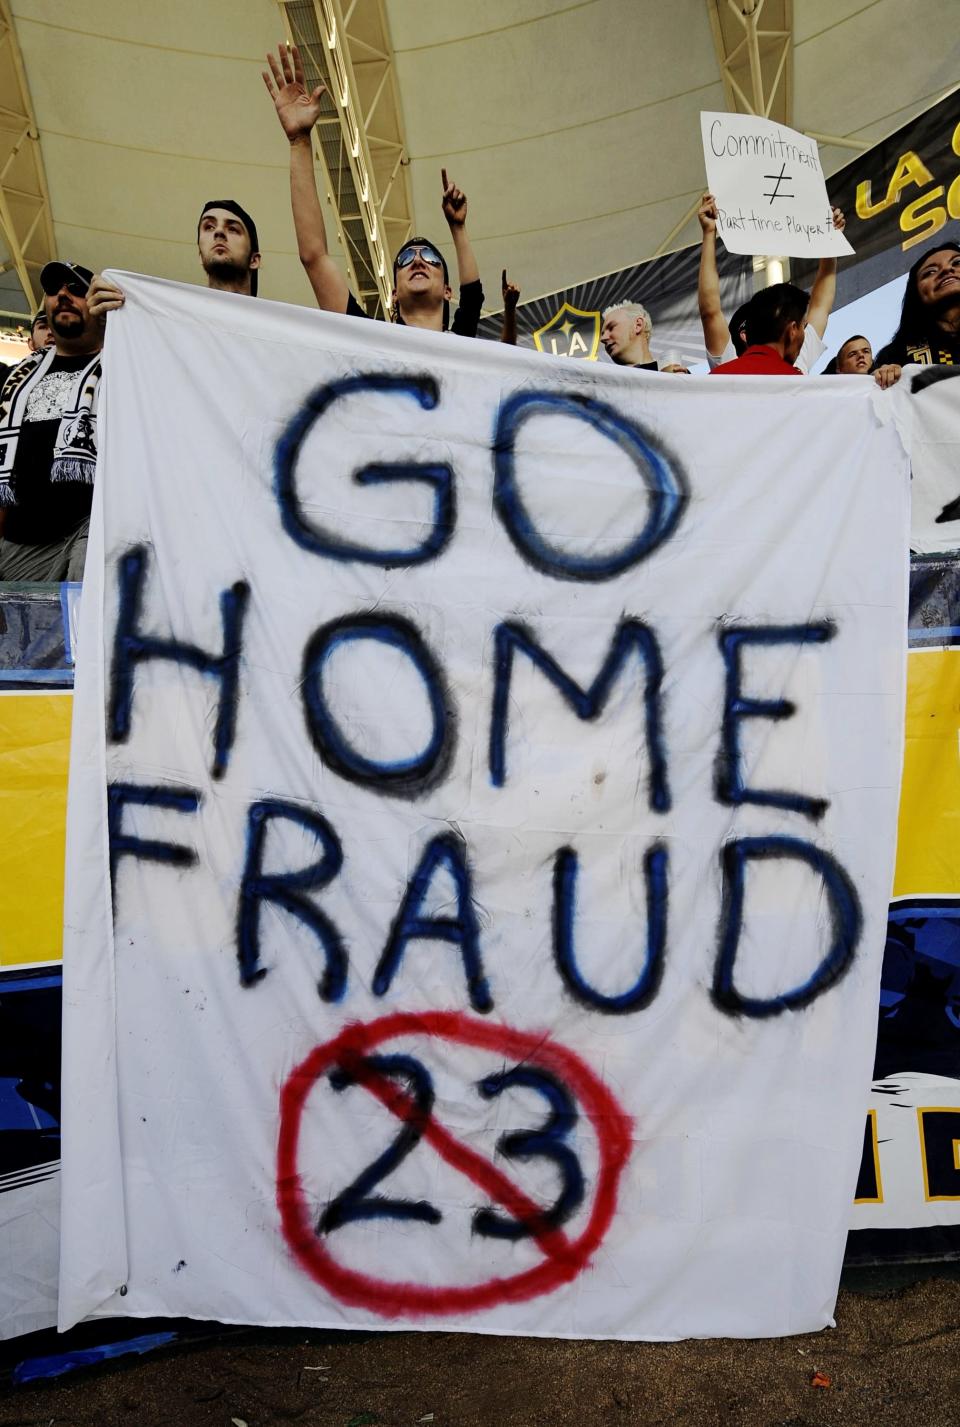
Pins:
x,y
48,402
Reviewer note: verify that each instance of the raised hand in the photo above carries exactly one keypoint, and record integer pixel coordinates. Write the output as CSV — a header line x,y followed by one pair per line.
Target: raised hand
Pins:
x,y
297,109
454,202
839,222
707,213
510,291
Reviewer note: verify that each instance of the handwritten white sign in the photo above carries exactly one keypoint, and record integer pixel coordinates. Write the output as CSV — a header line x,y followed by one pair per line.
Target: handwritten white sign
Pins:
x,y
769,186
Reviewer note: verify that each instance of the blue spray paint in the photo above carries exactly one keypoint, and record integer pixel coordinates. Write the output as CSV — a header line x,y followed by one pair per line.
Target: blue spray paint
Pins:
x,y
286,890
547,1142
404,778
437,477
644,989
729,785
356,1201
846,924
148,849
661,476
131,647
461,930
630,636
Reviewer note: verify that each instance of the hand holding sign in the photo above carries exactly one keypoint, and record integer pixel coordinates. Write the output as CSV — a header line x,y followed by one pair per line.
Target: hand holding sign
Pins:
x,y
771,198
707,213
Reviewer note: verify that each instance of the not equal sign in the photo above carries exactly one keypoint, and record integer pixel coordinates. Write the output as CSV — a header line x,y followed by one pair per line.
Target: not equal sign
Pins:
x,y
777,179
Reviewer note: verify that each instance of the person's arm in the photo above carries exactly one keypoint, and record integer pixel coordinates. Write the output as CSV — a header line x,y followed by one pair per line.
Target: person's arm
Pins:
x,y
511,296
716,333
298,111
454,206
824,288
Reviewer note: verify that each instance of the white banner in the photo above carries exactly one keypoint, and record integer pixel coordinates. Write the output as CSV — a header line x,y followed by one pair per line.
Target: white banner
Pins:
x,y
928,407
770,190
499,761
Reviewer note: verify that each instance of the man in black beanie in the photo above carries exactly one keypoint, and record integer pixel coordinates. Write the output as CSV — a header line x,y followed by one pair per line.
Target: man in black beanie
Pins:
x,y
229,248
229,251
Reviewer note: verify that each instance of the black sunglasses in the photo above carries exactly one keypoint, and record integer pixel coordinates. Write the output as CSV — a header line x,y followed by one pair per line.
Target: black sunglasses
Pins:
x,y
75,286
429,255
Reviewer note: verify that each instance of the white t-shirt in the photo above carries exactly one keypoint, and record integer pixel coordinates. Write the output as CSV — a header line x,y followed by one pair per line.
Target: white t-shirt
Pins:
x,y
810,353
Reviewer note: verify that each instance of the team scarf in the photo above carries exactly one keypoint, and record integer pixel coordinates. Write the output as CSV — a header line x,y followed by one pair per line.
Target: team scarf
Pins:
x,y
75,449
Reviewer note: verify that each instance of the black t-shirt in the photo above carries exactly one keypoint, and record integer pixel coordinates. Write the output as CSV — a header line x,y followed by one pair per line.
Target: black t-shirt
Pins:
x,y
45,510
935,349
466,319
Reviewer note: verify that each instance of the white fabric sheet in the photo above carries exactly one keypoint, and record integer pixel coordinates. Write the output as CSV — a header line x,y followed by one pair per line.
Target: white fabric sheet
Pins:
x,y
695,1163
927,406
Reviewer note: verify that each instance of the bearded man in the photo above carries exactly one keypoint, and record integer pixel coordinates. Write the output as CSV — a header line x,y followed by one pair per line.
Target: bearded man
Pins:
x,y
48,437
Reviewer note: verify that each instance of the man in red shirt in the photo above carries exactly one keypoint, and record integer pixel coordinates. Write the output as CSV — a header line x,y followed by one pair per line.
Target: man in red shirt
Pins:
x,y
776,318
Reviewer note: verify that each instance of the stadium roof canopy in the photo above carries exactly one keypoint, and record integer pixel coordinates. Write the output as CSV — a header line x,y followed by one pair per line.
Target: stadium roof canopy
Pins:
x,y
571,124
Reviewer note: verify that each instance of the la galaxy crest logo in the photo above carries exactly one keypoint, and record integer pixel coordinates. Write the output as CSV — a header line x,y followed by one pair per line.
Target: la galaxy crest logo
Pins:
x,y
571,332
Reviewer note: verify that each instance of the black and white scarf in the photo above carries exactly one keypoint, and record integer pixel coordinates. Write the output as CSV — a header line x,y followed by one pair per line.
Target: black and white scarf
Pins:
x,y
75,450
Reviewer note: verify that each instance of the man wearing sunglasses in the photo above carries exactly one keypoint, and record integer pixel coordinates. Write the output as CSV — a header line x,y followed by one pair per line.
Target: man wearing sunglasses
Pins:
x,y
421,286
48,438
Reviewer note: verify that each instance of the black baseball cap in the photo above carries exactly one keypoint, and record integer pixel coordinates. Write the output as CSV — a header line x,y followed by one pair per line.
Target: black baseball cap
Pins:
x,y
39,316
54,275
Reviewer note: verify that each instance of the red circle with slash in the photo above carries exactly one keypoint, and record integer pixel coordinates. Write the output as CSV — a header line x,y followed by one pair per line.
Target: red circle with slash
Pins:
x,y
563,1259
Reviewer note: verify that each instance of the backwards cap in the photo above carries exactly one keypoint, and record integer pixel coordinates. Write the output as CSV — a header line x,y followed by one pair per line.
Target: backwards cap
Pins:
x,y
233,207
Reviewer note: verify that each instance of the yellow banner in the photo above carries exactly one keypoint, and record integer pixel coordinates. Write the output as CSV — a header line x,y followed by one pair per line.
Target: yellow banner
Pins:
x,y
34,759
928,847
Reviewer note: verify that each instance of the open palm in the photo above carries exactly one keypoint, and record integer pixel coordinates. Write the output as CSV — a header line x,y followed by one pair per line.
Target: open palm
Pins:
x,y
297,109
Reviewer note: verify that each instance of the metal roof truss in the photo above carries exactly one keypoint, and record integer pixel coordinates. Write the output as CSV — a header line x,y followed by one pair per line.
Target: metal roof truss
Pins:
x,y
26,232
